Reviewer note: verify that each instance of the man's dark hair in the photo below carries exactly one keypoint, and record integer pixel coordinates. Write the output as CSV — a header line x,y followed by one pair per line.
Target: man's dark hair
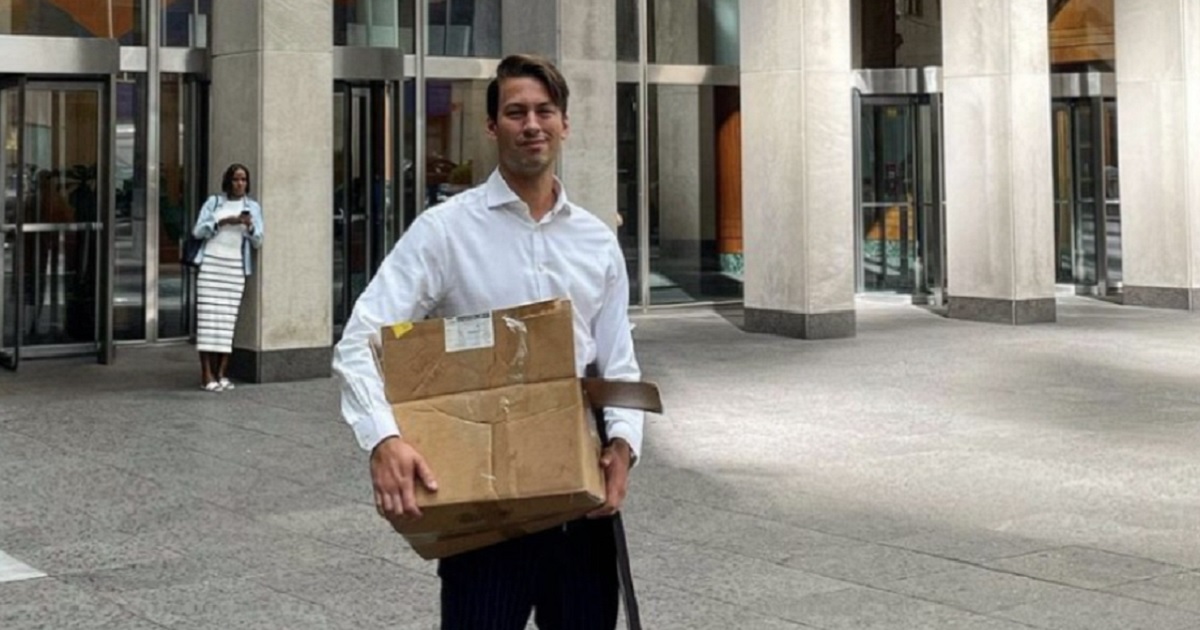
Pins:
x,y
227,178
531,66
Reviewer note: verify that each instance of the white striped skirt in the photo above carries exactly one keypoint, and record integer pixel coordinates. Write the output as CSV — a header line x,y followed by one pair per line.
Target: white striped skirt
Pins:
x,y
219,290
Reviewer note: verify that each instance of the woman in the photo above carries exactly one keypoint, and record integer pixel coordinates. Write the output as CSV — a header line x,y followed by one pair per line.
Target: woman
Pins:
x,y
229,223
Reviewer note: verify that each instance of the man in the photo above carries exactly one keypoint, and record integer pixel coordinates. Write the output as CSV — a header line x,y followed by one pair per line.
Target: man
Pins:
x,y
513,240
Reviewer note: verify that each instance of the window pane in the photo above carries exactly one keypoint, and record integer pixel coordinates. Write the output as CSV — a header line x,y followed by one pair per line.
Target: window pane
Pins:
x,y
693,32
374,23
464,28
458,153
115,19
695,194
627,30
899,33
627,183
177,204
185,23
1082,35
129,308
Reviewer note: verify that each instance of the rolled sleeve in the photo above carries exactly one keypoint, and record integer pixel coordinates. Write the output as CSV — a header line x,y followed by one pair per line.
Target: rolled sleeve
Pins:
x,y
407,286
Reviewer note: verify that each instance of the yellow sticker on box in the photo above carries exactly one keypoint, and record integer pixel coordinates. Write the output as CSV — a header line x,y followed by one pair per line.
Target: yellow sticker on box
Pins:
x,y
401,329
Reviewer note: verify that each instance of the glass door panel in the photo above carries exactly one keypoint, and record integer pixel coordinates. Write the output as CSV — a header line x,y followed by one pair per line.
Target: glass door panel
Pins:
x,y
900,213
130,219
1087,219
62,228
1086,206
888,191
12,170
178,202
341,194
1064,203
1112,195
372,185
54,170
930,222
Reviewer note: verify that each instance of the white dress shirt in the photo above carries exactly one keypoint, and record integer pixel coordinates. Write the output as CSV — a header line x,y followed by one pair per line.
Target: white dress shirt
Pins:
x,y
480,251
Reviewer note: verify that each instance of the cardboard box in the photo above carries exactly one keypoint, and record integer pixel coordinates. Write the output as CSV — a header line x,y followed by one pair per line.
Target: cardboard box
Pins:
x,y
494,405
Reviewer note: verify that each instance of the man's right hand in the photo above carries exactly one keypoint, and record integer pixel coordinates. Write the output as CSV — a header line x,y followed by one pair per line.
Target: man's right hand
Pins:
x,y
394,464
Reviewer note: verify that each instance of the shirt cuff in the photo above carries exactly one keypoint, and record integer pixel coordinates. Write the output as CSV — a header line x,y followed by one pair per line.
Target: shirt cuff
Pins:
x,y
627,428
376,428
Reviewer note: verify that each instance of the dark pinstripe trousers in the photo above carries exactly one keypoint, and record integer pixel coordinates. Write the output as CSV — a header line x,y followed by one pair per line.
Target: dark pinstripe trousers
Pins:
x,y
565,576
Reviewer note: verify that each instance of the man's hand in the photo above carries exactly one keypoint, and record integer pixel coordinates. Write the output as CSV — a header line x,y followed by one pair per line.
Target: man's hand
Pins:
x,y
615,461
394,464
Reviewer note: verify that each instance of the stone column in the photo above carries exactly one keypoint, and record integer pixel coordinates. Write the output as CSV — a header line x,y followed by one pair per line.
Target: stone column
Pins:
x,y
999,213
272,71
587,54
1158,88
798,167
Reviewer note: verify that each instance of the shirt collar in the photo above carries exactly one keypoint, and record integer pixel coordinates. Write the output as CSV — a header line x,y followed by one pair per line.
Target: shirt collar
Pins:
x,y
500,196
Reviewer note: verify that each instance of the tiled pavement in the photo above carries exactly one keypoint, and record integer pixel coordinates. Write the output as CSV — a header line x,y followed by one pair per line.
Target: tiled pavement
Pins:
x,y
927,474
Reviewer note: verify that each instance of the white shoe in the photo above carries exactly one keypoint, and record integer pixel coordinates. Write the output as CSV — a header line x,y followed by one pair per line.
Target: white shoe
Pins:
x,y
213,386
227,385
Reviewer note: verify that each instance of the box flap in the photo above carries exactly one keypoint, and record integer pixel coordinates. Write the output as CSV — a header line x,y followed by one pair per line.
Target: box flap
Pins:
x,y
493,451
534,343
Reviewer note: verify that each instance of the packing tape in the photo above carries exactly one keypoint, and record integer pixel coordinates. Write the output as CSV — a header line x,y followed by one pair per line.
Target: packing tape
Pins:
x,y
516,365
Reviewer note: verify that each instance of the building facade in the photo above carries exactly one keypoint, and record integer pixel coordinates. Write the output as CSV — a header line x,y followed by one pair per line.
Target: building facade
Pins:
x,y
782,154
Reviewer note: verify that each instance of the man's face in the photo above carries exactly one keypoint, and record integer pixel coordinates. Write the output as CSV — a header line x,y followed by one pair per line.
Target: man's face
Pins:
x,y
529,128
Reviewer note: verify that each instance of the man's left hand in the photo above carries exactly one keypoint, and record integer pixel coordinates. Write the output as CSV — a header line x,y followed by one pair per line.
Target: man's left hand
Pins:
x,y
615,461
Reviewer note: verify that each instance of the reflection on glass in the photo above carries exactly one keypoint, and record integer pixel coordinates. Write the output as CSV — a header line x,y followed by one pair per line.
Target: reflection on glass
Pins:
x,y
62,208
628,219
695,200
374,23
458,153
340,210
368,169
1082,35
1086,194
176,206
1087,187
889,197
627,30
185,23
692,32
1112,194
110,19
900,33
10,127
464,28
129,299
1064,202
